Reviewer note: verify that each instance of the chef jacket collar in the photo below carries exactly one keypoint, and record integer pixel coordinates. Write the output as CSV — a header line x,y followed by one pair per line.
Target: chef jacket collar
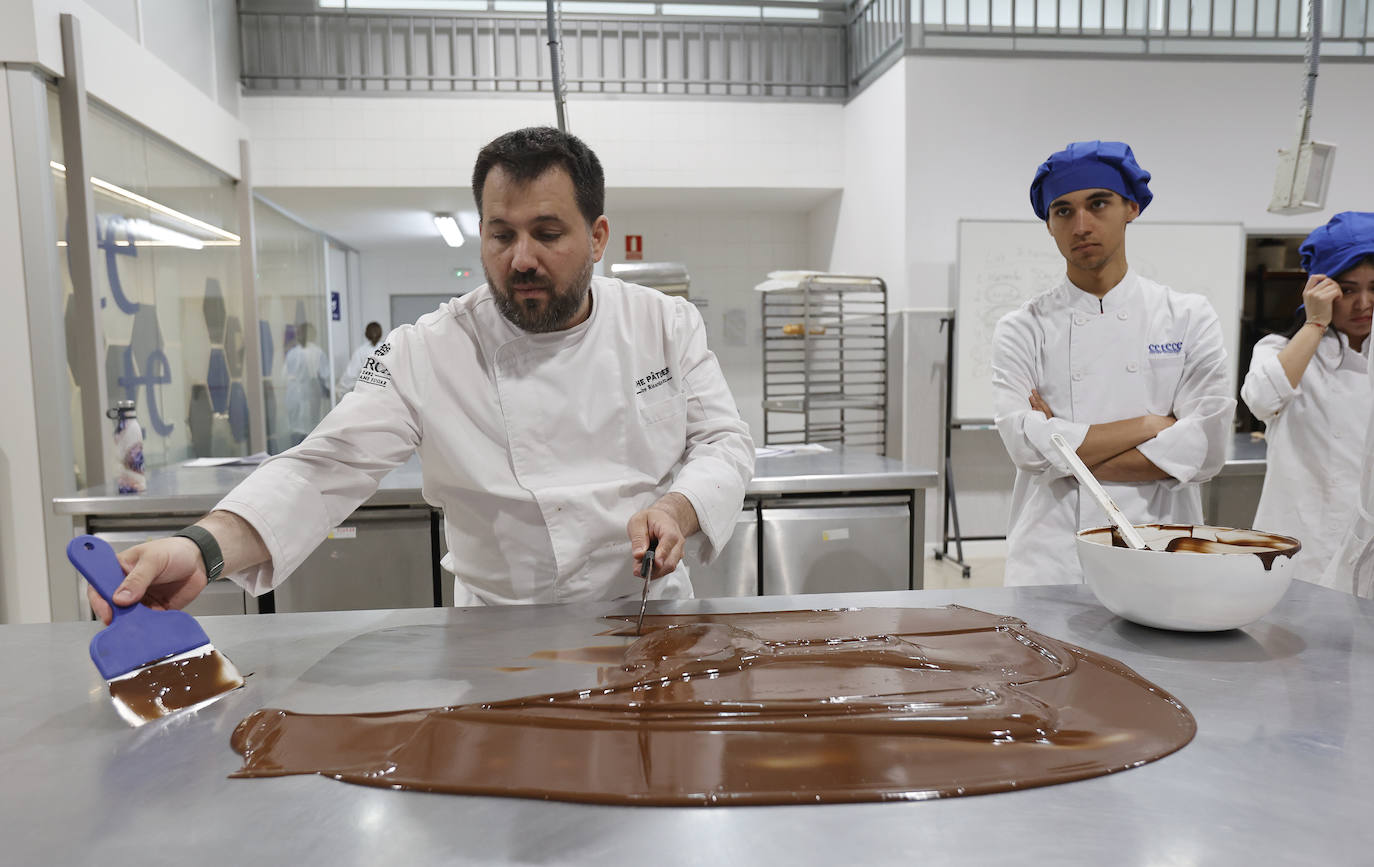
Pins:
x,y
1119,297
1336,351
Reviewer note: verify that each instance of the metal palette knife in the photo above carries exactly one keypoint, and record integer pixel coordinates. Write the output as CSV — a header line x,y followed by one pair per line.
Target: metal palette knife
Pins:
x,y
646,568
155,662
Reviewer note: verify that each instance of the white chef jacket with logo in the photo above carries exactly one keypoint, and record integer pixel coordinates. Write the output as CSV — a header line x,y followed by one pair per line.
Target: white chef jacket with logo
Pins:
x,y
355,366
1315,436
1352,566
538,447
1142,349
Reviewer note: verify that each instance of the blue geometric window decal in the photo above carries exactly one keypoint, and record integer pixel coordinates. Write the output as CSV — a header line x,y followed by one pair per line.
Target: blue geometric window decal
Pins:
x,y
217,378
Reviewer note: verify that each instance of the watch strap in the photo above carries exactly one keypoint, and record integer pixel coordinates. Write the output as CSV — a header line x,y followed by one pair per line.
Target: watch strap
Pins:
x,y
209,549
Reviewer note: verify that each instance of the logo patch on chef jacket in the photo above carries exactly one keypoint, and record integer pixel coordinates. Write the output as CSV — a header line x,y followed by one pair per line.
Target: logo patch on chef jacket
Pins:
x,y
382,350
374,372
651,380
1166,348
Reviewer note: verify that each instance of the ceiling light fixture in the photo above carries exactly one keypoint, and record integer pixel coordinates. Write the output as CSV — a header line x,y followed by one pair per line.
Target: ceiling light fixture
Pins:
x,y
448,227
130,196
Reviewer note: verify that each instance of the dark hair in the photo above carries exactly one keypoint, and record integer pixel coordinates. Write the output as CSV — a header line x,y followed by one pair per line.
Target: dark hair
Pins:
x,y
371,329
527,153
1300,318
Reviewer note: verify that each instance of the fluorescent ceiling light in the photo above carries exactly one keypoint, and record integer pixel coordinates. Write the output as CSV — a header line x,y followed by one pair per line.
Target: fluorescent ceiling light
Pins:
x,y
711,11
596,8
130,196
470,223
448,227
146,231
427,5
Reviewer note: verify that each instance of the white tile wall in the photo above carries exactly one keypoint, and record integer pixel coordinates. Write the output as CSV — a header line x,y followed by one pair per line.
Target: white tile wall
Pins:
x,y
417,141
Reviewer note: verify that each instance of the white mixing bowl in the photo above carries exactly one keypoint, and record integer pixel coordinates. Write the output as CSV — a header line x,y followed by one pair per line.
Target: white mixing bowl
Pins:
x,y
1236,578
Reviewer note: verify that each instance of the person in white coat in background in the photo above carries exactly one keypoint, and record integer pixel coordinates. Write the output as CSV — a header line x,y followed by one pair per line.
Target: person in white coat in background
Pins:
x,y
373,337
1310,386
563,421
307,384
1131,373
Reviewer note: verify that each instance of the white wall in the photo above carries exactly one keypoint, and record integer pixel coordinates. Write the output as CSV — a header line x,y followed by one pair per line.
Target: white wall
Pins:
x,y
411,270
864,231
1207,130
370,141
130,78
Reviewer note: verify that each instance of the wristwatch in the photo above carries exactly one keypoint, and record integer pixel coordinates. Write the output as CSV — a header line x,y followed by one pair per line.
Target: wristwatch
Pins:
x,y
209,549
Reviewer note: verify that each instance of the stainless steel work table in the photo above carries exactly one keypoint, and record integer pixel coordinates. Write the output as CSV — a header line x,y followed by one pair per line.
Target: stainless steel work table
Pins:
x,y
1278,773
195,490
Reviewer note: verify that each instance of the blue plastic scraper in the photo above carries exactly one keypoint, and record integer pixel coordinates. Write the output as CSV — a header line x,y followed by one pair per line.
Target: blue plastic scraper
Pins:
x,y
156,662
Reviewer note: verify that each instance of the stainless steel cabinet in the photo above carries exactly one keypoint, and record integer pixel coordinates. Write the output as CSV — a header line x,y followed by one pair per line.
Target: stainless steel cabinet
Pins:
x,y
378,558
735,571
831,546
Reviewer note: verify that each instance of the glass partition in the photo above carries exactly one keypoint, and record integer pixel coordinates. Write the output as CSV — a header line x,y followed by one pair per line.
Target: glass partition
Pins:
x,y
167,279
293,321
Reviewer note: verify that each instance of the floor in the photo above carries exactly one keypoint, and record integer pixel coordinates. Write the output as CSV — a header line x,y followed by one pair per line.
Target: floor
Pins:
x,y
987,562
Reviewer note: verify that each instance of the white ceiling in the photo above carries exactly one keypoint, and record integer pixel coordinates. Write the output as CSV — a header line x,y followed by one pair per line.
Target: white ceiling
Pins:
x,y
387,218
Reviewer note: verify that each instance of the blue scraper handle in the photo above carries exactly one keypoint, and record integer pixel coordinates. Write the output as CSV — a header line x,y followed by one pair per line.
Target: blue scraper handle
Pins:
x,y
137,634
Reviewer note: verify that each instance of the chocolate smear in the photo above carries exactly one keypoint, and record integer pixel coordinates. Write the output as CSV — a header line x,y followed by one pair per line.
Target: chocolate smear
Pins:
x,y
778,707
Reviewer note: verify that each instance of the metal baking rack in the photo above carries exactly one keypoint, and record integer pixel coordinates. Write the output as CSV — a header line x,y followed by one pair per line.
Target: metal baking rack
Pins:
x,y
825,363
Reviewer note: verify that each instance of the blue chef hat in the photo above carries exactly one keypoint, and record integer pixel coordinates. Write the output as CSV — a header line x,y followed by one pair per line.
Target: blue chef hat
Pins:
x,y
1085,165
1338,246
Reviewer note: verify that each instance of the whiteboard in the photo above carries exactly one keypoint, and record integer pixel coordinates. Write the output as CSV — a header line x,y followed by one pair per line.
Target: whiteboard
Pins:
x,y
1004,263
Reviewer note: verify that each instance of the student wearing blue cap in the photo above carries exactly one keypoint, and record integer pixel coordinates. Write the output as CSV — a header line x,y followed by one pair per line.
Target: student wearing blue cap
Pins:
x,y
1310,386
1131,373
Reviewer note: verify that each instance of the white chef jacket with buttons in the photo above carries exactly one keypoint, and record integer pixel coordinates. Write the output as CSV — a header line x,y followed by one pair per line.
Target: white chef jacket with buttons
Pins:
x,y
1142,349
538,447
1315,437
1352,566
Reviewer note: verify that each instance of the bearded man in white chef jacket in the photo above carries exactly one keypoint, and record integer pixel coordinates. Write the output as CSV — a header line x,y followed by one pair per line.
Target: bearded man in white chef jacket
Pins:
x,y
563,421
1131,373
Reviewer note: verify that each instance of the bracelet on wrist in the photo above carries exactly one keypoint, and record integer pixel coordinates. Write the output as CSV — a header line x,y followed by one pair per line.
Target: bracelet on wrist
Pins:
x,y
209,549
1322,325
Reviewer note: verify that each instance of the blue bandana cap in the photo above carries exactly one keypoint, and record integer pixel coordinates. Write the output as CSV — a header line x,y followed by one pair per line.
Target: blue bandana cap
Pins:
x,y
1338,246
1089,165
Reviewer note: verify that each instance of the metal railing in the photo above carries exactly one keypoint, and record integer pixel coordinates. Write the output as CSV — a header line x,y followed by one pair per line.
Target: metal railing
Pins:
x,y
832,57
877,36
475,53
1230,27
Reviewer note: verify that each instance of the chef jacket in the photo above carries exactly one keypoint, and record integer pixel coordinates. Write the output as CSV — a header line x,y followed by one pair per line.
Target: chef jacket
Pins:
x,y
538,447
355,366
1315,444
1352,566
1141,349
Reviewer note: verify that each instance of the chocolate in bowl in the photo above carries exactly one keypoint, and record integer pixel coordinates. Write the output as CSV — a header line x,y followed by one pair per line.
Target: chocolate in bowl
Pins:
x,y
1194,578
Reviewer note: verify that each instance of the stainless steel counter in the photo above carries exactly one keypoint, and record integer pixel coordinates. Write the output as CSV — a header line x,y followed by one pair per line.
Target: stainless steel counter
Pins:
x,y
1278,773
194,490
1247,457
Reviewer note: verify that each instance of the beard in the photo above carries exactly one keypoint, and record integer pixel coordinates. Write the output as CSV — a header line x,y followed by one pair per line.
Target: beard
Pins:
x,y
541,315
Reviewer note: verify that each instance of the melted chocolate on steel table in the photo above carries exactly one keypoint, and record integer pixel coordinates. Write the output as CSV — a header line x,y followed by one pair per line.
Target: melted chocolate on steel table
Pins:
x,y
766,708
